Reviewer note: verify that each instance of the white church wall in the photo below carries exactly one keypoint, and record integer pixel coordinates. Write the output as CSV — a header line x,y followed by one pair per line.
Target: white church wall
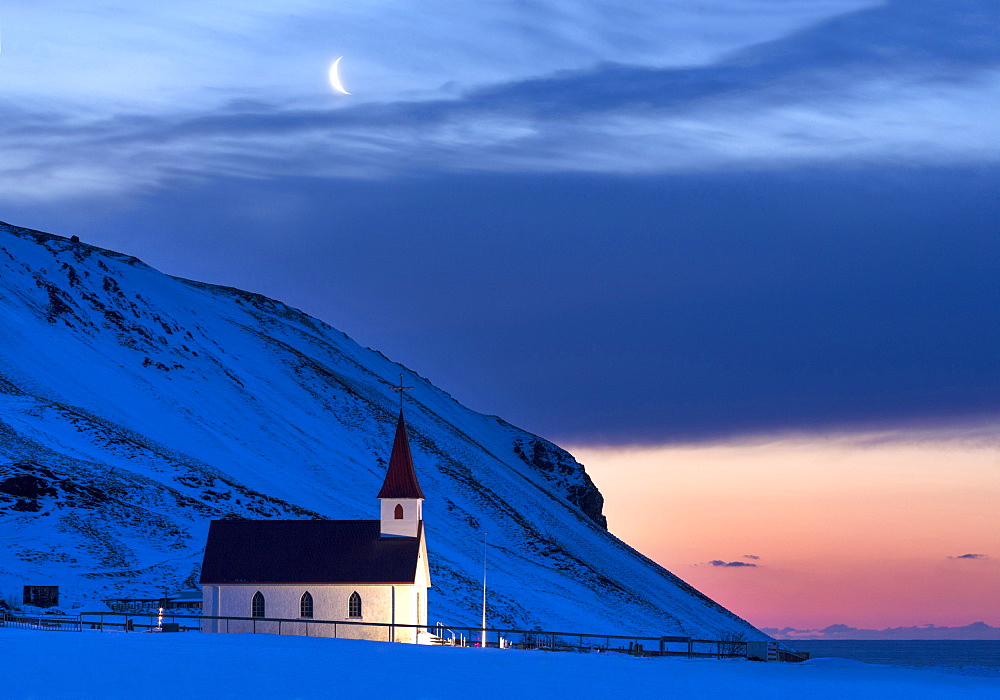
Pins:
x,y
423,574
408,525
329,603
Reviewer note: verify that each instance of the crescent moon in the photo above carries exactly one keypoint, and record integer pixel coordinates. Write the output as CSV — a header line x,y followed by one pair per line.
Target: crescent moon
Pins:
x,y
335,78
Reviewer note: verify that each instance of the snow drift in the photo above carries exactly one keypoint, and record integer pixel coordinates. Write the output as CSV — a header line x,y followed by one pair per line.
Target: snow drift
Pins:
x,y
212,666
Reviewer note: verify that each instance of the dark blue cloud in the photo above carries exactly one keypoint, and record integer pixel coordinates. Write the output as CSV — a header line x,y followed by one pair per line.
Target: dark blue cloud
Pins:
x,y
732,564
622,309
970,556
857,292
898,37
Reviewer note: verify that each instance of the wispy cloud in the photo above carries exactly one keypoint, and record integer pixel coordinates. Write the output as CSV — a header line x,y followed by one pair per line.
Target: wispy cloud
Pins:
x,y
733,564
751,556
970,556
819,96
112,53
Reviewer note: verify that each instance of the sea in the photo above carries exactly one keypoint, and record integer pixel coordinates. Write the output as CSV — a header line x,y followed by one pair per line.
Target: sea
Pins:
x,y
958,656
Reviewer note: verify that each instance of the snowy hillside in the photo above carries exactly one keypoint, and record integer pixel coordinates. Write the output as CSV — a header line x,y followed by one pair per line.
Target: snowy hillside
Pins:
x,y
135,407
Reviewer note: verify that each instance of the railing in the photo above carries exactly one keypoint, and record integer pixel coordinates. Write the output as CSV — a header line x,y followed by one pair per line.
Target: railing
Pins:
x,y
445,634
48,623
439,633
792,656
143,604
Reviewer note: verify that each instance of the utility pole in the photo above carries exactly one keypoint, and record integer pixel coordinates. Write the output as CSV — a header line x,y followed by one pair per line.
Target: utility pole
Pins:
x,y
483,638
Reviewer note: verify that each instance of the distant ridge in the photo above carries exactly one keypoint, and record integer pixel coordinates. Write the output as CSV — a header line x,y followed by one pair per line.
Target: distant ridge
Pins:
x,y
974,631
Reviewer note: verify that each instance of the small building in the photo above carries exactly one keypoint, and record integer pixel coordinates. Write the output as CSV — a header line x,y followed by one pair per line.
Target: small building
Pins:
x,y
371,571
41,596
182,600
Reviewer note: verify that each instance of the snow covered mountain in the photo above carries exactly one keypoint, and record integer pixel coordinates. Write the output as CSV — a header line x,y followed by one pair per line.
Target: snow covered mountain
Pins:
x,y
135,407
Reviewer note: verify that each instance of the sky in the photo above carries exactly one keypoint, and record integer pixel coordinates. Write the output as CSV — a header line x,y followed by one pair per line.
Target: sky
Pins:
x,y
709,243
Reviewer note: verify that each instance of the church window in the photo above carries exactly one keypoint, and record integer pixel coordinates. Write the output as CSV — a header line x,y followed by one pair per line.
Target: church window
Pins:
x,y
257,605
399,511
354,605
306,605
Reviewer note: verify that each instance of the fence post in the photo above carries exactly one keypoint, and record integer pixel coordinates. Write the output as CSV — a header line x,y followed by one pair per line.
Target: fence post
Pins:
x,y
663,644
690,648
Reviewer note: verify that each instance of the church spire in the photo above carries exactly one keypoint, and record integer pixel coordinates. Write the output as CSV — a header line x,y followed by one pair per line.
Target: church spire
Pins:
x,y
401,478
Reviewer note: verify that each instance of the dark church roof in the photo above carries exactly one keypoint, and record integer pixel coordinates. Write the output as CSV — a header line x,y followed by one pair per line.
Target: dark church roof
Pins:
x,y
307,551
401,479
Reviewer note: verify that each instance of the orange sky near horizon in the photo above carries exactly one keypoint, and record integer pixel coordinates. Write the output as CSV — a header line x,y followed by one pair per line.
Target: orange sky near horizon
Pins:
x,y
863,530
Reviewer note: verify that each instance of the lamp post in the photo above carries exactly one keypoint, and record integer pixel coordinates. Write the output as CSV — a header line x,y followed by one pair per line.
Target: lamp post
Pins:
x,y
483,638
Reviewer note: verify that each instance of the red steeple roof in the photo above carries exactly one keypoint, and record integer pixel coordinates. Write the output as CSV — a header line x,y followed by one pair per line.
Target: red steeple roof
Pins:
x,y
401,479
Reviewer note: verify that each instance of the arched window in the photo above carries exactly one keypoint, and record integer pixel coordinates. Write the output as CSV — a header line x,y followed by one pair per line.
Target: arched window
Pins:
x,y
257,605
399,511
354,605
306,605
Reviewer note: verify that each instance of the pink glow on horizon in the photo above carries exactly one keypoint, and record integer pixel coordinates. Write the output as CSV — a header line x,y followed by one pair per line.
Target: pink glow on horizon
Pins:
x,y
848,529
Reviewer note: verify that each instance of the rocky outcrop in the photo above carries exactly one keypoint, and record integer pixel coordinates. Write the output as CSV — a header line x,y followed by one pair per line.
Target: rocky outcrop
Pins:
x,y
566,474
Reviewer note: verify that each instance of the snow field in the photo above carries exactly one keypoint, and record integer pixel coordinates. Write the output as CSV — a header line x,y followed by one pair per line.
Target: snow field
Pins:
x,y
95,664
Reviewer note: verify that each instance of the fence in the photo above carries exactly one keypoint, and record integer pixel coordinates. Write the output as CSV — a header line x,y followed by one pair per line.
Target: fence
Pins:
x,y
445,634
143,604
48,623
438,633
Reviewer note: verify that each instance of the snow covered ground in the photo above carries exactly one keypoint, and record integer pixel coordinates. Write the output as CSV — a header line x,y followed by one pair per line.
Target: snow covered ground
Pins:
x,y
95,664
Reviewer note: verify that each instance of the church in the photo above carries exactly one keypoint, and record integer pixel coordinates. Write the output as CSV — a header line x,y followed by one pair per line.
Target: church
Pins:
x,y
340,570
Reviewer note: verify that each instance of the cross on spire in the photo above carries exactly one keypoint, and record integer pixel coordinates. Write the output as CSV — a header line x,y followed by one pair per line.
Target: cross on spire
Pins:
x,y
400,477
401,389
